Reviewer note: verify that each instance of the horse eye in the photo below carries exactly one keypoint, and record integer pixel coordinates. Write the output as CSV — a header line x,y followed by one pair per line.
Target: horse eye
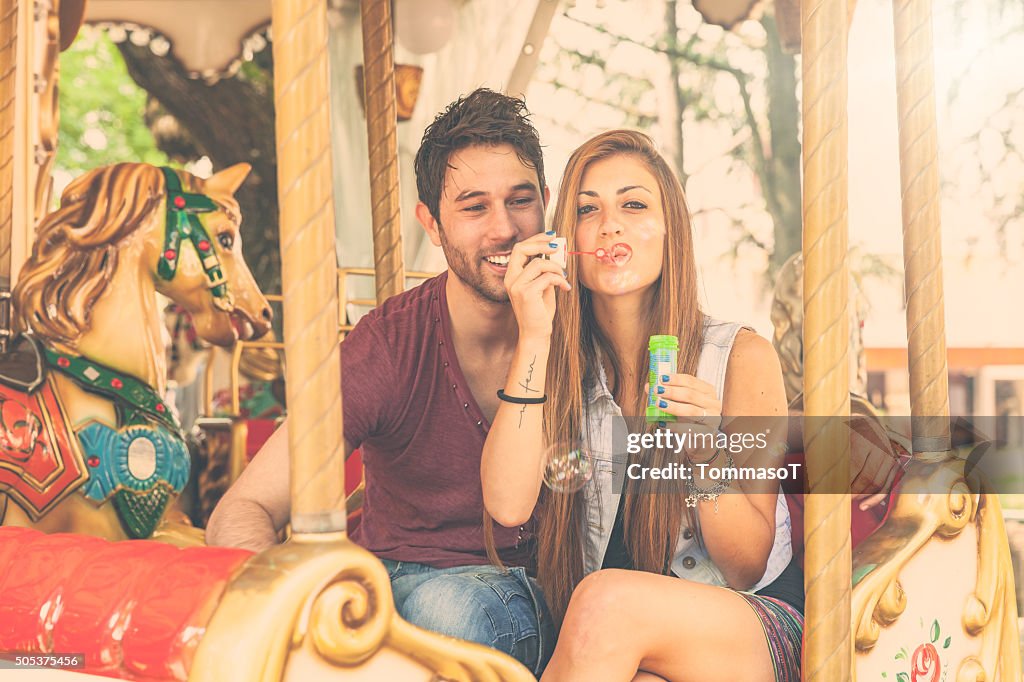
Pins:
x,y
226,239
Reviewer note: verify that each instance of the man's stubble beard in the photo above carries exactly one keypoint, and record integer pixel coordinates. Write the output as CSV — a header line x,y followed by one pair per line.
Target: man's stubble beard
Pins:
x,y
460,265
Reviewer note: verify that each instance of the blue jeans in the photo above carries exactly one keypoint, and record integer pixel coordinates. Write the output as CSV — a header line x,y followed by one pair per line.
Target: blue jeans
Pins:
x,y
504,610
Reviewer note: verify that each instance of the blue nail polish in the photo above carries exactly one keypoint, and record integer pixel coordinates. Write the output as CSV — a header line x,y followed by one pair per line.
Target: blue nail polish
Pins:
x,y
662,424
550,233
662,404
661,389
664,377
553,245
565,273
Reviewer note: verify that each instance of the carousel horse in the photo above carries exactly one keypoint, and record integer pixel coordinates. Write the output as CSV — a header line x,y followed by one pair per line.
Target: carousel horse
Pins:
x,y
87,444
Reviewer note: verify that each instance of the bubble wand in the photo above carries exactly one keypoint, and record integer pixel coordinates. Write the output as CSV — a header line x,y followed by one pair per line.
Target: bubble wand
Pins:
x,y
597,253
619,252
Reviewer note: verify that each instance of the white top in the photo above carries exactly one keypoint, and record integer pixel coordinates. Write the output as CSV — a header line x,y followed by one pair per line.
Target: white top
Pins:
x,y
691,561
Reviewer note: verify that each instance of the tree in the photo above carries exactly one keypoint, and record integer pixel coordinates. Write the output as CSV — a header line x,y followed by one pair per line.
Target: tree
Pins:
x,y
697,63
123,102
987,161
229,121
100,109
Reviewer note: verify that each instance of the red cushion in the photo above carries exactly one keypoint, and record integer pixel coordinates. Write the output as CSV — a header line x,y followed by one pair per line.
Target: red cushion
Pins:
x,y
136,607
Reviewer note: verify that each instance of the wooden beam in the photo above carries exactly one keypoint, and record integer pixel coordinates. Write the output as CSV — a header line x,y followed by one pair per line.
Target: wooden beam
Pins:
x,y
529,54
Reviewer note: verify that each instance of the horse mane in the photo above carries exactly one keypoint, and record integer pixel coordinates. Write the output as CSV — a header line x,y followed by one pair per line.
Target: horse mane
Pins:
x,y
75,253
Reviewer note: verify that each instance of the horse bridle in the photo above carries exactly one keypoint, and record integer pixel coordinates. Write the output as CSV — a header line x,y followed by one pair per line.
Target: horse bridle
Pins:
x,y
183,224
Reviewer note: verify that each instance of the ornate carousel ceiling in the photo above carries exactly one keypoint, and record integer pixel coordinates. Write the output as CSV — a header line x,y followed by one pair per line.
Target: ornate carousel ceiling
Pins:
x,y
208,37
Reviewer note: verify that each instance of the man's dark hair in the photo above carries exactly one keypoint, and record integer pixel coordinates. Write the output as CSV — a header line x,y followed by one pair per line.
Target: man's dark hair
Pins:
x,y
483,117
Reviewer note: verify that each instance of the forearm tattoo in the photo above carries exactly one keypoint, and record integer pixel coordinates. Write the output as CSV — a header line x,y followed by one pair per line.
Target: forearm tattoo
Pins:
x,y
526,387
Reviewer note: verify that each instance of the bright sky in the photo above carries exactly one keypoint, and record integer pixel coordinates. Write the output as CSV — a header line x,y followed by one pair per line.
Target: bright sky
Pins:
x,y
977,277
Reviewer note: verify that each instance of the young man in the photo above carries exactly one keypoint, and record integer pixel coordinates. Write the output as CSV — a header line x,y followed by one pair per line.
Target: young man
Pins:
x,y
420,377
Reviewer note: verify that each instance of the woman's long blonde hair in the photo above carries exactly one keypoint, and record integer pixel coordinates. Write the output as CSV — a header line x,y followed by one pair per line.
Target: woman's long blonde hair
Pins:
x,y
652,521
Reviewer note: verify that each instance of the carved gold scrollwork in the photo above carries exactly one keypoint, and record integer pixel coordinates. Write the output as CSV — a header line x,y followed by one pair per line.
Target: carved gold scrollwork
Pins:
x,y
878,598
960,505
976,615
919,515
350,618
980,607
885,611
325,591
971,671
354,617
892,603
453,659
992,611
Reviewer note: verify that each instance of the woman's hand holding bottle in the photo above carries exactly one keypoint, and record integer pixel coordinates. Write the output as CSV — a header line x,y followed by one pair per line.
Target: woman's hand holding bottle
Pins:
x,y
531,282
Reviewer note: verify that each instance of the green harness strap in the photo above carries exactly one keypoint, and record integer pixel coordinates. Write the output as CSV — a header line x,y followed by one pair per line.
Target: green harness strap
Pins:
x,y
183,224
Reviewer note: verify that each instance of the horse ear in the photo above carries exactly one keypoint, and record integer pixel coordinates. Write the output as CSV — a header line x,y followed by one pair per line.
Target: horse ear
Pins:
x,y
230,179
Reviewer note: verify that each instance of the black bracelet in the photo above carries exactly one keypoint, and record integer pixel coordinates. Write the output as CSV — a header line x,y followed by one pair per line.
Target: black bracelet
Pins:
x,y
718,451
521,401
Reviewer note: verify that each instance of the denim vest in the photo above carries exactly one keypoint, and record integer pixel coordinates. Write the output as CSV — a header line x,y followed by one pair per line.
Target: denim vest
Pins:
x,y
691,561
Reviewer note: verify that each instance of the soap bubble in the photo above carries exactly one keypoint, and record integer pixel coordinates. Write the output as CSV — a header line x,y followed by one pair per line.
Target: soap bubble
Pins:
x,y
567,468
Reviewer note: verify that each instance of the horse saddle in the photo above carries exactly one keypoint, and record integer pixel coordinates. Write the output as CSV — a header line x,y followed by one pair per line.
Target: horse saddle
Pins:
x,y
41,460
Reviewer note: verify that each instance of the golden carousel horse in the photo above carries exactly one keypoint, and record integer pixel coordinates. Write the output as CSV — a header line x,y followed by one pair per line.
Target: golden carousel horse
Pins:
x,y
87,443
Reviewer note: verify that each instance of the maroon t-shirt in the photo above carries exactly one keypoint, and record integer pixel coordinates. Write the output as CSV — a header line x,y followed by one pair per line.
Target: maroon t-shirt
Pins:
x,y
409,408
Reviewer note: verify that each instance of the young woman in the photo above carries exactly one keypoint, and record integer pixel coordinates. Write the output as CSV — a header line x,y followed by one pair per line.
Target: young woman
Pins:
x,y
645,586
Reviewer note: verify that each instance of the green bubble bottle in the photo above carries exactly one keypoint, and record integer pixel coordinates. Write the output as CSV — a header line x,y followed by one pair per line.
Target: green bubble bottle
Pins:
x,y
663,349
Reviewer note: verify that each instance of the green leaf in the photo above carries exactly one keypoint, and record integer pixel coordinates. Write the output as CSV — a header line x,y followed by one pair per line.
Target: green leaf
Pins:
x,y
903,677
945,645
935,631
885,675
902,655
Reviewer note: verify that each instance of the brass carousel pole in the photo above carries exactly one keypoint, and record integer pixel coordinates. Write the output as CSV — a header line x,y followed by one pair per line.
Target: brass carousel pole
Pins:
x,y
308,266
8,69
828,651
381,131
319,606
922,238
996,620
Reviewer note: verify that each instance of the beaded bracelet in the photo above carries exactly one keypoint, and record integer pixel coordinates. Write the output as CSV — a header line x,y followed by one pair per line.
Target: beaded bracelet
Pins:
x,y
711,493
